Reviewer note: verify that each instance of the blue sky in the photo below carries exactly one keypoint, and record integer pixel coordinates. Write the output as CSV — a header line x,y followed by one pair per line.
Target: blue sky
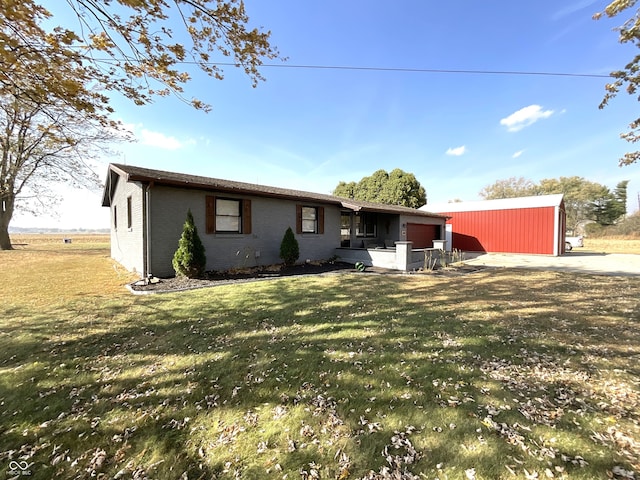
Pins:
x,y
308,128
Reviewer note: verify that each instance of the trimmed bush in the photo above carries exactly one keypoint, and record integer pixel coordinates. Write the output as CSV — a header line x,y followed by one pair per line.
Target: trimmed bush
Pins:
x,y
189,260
289,248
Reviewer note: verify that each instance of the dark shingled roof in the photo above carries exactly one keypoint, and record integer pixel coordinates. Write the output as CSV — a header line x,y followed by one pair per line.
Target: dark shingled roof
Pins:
x,y
131,173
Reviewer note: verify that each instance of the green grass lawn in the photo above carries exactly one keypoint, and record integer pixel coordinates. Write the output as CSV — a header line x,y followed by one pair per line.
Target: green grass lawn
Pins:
x,y
495,374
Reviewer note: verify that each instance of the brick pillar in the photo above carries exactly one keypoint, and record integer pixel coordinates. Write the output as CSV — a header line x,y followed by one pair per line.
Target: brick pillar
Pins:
x,y
403,255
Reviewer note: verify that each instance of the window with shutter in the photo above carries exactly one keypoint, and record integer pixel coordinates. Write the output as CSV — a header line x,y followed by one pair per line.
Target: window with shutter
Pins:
x,y
309,219
227,215
210,214
246,216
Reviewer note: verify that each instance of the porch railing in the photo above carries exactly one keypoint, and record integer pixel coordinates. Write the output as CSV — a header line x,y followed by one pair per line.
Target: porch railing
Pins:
x,y
403,257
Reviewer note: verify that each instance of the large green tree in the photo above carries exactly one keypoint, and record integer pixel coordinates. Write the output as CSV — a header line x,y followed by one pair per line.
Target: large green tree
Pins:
x,y
138,48
611,206
579,197
620,194
629,76
395,188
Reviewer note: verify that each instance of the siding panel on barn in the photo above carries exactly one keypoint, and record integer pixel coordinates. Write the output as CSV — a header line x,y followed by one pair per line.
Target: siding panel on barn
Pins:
x,y
520,230
534,224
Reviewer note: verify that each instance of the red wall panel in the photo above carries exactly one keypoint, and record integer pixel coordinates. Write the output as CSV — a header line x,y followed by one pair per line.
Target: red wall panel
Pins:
x,y
520,230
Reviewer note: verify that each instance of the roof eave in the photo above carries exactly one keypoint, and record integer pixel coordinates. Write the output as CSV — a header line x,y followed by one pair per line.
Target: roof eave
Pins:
x,y
131,175
109,186
385,209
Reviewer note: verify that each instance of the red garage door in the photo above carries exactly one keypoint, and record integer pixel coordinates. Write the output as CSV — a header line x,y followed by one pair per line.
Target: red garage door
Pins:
x,y
421,235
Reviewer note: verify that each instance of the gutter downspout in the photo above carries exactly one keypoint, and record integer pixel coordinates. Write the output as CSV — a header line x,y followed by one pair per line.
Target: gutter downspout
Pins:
x,y
147,227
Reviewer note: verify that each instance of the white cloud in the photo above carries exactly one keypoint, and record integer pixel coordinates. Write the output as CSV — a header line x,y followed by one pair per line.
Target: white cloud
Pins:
x,y
155,139
160,140
517,154
456,152
524,117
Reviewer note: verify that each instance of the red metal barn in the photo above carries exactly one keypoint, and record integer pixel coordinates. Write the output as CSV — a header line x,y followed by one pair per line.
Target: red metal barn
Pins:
x,y
534,225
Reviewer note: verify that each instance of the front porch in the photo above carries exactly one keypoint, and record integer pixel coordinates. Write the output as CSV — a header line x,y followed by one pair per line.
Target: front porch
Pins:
x,y
402,256
389,237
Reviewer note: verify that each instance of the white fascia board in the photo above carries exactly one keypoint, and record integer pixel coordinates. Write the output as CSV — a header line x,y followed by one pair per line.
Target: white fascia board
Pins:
x,y
500,204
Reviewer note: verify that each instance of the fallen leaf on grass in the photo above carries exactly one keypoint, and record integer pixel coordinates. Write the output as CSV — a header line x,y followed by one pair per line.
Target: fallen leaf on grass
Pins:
x,y
96,461
620,472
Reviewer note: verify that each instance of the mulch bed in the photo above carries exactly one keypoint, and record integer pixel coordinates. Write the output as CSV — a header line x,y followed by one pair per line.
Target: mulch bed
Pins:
x,y
213,279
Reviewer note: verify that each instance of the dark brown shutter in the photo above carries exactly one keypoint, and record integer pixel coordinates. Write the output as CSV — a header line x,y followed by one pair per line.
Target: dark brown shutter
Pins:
x,y
298,219
320,220
246,217
210,214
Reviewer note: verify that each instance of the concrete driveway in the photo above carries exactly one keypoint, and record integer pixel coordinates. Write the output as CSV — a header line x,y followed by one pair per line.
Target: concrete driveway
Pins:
x,y
576,261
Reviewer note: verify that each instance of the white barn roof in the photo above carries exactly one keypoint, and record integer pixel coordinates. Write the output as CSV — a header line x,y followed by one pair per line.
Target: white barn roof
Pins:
x,y
500,204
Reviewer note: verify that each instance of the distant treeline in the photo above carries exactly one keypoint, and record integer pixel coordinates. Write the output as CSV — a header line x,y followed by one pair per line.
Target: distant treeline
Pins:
x,y
83,231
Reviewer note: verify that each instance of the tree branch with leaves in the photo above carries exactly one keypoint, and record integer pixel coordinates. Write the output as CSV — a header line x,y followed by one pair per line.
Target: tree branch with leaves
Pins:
x,y
627,78
55,80
41,145
131,47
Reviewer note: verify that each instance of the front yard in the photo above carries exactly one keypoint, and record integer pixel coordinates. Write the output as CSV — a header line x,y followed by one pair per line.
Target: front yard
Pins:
x,y
494,374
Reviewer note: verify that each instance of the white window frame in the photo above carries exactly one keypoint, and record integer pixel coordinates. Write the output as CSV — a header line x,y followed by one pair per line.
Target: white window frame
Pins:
x,y
226,221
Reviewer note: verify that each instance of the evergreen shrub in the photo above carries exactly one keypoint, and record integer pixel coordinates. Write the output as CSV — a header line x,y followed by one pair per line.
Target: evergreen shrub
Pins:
x,y
289,248
189,259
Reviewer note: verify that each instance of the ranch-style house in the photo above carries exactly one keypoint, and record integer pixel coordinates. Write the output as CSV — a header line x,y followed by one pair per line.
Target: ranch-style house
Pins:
x,y
242,225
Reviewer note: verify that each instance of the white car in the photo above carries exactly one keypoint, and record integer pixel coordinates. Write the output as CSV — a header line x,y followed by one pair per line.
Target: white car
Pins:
x,y
571,242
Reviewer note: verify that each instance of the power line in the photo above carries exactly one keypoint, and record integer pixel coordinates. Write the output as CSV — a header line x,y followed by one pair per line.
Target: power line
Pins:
x,y
416,70
383,69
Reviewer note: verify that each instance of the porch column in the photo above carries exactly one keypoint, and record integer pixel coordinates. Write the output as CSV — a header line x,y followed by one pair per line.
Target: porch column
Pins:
x,y
353,235
403,255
